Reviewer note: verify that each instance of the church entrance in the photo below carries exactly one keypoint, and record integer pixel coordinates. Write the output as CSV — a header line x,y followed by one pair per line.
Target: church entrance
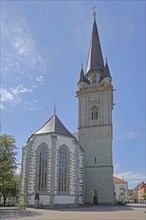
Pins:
x,y
95,200
95,197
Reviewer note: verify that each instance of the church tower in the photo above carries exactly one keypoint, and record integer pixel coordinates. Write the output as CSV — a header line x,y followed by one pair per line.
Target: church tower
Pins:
x,y
95,104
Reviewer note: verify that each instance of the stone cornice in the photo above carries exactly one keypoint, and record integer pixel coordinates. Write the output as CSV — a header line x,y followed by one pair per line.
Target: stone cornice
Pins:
x,y
96,166
94,89
96,125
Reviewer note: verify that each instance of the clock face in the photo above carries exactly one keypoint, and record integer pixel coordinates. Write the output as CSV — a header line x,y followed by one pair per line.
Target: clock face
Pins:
x,y
94,96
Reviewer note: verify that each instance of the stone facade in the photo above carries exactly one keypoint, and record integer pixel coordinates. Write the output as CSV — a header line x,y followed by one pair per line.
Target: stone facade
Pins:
x,y
95,136
52,197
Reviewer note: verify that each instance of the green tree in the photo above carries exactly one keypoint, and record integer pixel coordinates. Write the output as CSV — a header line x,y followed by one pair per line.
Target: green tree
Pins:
x,y
8,153
144,196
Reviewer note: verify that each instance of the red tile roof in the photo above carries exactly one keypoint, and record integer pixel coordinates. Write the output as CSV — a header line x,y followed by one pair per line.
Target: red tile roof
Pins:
x,y
118,180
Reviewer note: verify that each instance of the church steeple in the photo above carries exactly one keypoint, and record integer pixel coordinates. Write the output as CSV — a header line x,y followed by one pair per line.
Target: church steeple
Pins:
x,y
95,58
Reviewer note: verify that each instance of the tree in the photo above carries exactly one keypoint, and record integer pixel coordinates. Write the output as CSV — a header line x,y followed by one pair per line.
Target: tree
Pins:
x,y
8,153
144,196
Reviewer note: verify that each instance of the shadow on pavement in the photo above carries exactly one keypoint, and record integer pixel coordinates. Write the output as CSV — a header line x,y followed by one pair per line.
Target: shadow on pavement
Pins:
x,y
98,209
17,213
138,206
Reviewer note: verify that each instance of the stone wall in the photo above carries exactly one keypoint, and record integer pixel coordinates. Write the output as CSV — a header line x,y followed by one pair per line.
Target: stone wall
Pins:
x,y
30,169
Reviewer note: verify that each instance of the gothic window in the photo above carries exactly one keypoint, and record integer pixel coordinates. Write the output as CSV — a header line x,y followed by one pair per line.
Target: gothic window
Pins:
x,y
94,113
42,170
63,169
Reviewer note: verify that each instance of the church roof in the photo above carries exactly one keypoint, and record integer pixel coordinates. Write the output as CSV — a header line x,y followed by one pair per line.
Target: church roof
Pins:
x,y
54,125
95,58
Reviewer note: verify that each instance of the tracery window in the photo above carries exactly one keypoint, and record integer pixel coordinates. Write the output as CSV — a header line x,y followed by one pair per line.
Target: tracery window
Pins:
x,y
63,169
42,171
94,113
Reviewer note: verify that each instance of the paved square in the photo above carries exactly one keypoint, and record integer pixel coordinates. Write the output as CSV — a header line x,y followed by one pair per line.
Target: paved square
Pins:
x,y
129,212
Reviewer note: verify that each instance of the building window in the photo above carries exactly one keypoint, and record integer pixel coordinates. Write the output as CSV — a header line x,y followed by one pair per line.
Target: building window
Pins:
x,y
63,169
95,160
42,171
94,113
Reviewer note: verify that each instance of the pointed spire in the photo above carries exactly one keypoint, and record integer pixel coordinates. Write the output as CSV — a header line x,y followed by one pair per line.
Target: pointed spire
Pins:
x,y
82,76
95,58
106,72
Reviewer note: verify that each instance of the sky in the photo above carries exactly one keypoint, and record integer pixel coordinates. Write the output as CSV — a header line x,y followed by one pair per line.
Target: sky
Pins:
x,y
43,44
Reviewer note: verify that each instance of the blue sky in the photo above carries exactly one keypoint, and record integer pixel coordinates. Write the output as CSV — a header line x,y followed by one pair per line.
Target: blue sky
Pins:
x,y
42,46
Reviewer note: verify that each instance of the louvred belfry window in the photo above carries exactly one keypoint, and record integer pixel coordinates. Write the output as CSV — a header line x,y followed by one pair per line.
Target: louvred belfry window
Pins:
x,y
94,112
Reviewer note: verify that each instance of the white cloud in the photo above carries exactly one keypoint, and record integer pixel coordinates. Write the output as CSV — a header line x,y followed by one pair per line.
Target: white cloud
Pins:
x,y
12,96
40,79
20,89
17,40
6,96
132,177
22,60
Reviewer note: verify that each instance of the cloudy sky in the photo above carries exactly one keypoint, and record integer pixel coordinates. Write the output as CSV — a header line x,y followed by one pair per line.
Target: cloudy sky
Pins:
x,y
43,44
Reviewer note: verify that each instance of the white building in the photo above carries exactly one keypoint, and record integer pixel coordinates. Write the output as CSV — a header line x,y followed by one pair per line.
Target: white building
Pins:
x,y
120,190
63,170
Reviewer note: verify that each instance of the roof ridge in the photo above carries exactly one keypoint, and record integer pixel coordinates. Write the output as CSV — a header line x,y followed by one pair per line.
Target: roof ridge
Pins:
x,y
54,125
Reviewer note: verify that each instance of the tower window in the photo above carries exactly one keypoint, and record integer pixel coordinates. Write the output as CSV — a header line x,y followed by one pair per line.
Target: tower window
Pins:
x,y
95,160
63,169
94,113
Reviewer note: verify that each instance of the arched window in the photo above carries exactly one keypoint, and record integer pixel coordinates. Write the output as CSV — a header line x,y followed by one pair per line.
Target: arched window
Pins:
x,y
43,165
94,113
63,169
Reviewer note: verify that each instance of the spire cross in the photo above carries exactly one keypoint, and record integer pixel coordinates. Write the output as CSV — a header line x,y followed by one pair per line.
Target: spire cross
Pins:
x,y
55,109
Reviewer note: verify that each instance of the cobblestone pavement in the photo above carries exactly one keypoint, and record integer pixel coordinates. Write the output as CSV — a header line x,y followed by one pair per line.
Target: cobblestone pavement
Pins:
x,y
129,212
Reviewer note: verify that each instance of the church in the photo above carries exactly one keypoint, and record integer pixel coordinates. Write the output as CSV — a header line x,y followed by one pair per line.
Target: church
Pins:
x,y
60,169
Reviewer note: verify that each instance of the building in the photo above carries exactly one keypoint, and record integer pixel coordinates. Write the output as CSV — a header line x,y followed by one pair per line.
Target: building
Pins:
x,y
58,169
52,167
95,104
138,191
135,193
141,191
120,190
